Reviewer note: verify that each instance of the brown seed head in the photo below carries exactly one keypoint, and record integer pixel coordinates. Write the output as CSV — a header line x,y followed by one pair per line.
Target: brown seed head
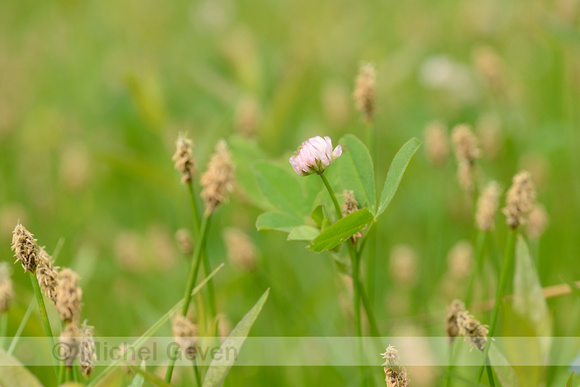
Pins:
x,y
68,296
451,328
87,350
241,249
487,206
25,248
218,180
520,199
47,274
365,91
349,206
537,222
6,289
395,375
436,142
185,335
183,158
473,330
69,340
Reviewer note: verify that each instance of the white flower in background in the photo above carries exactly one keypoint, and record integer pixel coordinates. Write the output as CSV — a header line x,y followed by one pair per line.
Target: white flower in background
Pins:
x,y
440,72
314,156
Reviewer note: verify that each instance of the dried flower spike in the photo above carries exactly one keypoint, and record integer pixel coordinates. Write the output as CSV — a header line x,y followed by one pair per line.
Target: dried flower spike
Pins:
x,y
47,274
218,180
451,328
537,222
87,350
241,249
395,375
350,205
473,330
184,241
25,248
520,199
68,296
6,289
314,156
185,335
365,91
69,344
403,265
460,260
436,142
466,152
487,206
183,158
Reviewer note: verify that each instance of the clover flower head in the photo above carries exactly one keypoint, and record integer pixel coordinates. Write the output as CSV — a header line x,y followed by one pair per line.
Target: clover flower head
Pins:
x,y
314,156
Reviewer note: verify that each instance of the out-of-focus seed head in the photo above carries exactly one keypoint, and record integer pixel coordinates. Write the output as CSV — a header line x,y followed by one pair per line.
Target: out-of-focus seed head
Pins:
x,y
451,327
68,296
489,134
314,156
241,249
487,206
537,222
87,350
6,289
25,248
247,117
184,241
436,142
489,64
403,265
69,340
365,91
218,180
185,335
460,260
473,330
464,144
183,158
520,199
47,274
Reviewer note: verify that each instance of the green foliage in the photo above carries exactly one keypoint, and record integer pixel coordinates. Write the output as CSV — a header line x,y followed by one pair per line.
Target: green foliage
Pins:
x,y
219,367
278,221
14,374
356,173
570,380
396,171
303,233
341,230
502,368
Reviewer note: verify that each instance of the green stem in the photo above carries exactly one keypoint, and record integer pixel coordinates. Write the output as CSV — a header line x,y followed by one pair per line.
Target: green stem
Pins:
x,y
506,265
196,372
372,235
489,373
3,329
332,196
45,321
477,272
450,365
194,269
196,221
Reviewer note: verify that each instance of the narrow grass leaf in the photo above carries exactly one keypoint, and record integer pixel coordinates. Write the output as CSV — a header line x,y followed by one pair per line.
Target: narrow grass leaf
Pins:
x,y
303,233
278,221
148,376
341,230
355,170
570,380
502,368
219,367
529,301
396,171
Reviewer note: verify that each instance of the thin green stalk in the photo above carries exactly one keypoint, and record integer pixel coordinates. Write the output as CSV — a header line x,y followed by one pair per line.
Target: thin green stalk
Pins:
x,y
45,320
20,328
196,372
194,269
450,365
372,235
332,196
477,272
506,265
489,373
204,258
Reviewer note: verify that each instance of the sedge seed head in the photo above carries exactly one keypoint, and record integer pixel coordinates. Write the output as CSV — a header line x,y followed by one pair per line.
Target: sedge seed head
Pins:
x,y
218,180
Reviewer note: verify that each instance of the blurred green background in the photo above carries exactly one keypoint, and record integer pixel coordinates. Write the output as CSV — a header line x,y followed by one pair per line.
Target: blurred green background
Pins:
x,y
93,95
